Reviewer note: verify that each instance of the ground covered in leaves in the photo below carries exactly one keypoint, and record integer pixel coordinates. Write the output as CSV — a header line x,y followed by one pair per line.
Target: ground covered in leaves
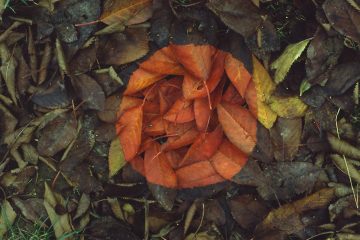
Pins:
x,y
180,119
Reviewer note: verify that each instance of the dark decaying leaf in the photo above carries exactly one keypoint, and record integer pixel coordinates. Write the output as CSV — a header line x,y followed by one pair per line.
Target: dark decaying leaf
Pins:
x,y
74,166
343,17
263,150
121,48
17,182
7,122
110,112
109,228
250,174
53,97
285,180
57,135
164,196
68,14
287,219
32,209
315,96
233,12
84,59
161,23
264,40
247,210
89,91
322,54
342,77
285,136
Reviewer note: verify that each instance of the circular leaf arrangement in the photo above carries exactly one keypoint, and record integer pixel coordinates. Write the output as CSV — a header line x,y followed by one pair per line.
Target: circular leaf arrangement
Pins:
x,y
188,117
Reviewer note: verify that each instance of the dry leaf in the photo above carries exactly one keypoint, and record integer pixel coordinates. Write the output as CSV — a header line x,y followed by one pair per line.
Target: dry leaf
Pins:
x,y
116,157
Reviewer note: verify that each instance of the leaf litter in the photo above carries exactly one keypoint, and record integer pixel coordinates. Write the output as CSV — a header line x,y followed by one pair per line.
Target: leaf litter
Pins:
x,y
180,119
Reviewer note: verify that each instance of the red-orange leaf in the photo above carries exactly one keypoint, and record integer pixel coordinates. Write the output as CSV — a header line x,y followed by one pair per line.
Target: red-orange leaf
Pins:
x,y
237,74
204,147
195,87
141,79
160,62
180,135
197,175
232,96
239,126
169,92
202,113
197,60
128,102
157,167
130,128
228,160
181,111
155,127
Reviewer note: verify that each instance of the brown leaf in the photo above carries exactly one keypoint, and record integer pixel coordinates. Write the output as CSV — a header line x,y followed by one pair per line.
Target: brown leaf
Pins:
x,y
240,15
286,136
89,91
110,112
343,17
247,210
285,180
127,11
125,47
57,135
287,220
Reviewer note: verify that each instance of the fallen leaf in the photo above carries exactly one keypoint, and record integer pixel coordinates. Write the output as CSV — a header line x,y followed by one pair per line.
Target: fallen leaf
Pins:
x,y
322,54
8,216
237,74
287,107
239,126
116,157
8,69
181,112
247,210
343,147
110,112
128,12
125,47
342,77
345,165
343,17
285,180
283,64
56,135
157,167
231,12
286,220
89,91
286,137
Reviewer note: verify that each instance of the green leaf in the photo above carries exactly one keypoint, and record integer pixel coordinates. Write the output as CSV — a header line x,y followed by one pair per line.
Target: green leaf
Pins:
x,y
304,86
287,58
116,157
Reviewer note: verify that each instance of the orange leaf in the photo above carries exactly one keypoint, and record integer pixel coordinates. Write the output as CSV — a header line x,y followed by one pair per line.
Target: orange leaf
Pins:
x,y
228,160
161,63
237,74
129,127
157,167
180,135
128,102
126,11
197,175
196,59
182,111
169,92
155,127
195,87
204,147
232,96
141,79
239,126
202,113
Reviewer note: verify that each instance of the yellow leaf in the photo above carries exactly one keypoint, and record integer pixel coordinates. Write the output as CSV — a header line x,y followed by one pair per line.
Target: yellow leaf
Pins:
x,y
126,11
116,157
287,58
264,85
258,93
287,107
7,217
